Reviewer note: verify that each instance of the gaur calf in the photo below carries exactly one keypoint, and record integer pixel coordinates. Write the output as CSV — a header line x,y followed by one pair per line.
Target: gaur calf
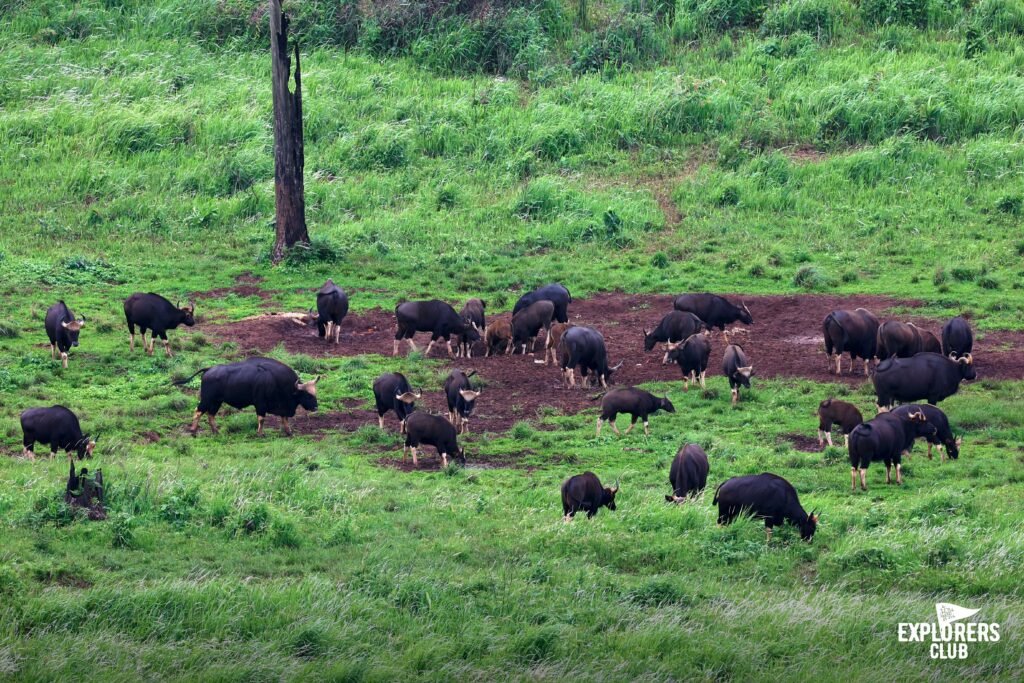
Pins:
x,y
461,398
528,322
692,356
432,430
498,337
737,367
391,391
58,427
832,411
553,340
585,492
765,496
688,474
639,404
155,313
62,329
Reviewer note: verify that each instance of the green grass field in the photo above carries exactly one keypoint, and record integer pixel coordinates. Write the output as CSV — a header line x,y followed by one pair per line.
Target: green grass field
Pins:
x,y
728,145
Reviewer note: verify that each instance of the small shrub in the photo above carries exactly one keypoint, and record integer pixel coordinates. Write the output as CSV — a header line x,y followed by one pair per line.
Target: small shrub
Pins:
x,y
180,505
284,533
521,430
659,260
986,282
308,642
254,519
810,278
724,15
630,38
940,276
319,250
885,12
8,330
122,528
729,196
819,18
1011,204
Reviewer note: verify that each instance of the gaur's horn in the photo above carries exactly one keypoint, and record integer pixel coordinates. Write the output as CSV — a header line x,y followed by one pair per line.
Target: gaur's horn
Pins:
x,y
615,488
970,359
468,395
674,346
747,371
191,305
617,366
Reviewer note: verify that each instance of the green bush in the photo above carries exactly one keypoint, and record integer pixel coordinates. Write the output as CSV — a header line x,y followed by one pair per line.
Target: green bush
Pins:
x,y
999,16
883,12
819,18
629,39
725,15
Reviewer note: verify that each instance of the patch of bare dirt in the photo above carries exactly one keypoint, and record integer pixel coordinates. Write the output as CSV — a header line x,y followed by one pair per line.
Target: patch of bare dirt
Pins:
x,y
804,443
805,154
785,341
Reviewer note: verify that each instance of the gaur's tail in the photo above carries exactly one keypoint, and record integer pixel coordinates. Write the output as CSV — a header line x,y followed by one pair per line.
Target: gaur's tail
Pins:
x,y
597,396
188,379
715,499
569,293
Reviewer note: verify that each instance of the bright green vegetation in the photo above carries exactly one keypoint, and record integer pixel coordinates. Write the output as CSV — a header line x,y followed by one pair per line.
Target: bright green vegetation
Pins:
x,y
720,145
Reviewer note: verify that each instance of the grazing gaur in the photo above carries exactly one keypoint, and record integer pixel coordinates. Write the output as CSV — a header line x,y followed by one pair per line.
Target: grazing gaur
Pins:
x,y
155,313
392,391
585,492
853,332
331,309
583,347
461,398
833,411
432,430
738,368
528,322
639,404
927,376
473,313
555,293
957,338
62,328
903,340
58,427
270,386
553,340
692,356
885,438
498,337
764,496
714,310
435,317
674,327
688,474
943,436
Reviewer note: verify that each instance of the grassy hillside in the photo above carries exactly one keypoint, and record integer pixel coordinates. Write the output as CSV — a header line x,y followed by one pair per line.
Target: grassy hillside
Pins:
x,y
481,148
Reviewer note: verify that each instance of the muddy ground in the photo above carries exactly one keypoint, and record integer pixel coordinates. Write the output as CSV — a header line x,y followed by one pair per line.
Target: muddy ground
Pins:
x,y
785,341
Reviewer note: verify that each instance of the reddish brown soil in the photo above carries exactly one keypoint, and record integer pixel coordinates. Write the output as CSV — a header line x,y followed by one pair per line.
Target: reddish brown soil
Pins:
x,y
805,443
785,342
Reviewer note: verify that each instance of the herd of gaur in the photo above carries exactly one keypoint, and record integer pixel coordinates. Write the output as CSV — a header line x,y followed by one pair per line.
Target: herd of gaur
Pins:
x,y
911,364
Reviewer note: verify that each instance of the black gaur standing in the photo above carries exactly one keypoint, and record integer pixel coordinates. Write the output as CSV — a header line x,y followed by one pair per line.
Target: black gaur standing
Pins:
x,y
268,385
639,404
957,338
714,310
331,308
62,328
943,436
58,427
555,293
853,332
433,316
926,376
472,313
528,322
391,391
692,356
584,347
155,313
585,492
738,368
674,327
432,430
688,474
833,411
765,496
885,439
461,398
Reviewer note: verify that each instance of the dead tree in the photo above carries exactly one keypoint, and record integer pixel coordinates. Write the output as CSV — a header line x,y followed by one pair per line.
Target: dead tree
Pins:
x,y
289,193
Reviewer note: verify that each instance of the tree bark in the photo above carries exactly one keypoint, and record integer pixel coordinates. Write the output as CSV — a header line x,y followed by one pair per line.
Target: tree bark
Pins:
x,y
289,192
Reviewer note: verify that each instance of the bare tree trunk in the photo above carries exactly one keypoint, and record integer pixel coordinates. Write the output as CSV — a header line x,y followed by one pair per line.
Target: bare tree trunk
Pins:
x,y
289,193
